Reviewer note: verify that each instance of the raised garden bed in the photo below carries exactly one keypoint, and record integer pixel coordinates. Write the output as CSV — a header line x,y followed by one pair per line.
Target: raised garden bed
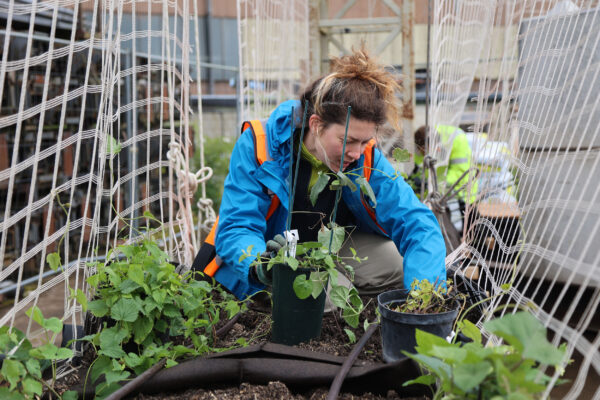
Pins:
x,y
269,371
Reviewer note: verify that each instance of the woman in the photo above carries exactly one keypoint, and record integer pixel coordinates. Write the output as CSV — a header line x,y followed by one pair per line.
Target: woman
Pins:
x,y
398,225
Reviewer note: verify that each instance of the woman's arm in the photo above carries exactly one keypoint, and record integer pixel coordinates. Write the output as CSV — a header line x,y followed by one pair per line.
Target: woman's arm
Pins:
x,y
241,219
411,225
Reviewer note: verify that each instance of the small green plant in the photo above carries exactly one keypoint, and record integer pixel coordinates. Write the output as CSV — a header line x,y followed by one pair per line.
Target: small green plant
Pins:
x,y
427,298
322,257
143,304
477,371
24,363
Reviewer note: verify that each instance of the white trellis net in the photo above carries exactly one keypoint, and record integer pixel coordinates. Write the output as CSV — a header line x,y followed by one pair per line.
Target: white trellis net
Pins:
x,y
530,69
94,132
273,46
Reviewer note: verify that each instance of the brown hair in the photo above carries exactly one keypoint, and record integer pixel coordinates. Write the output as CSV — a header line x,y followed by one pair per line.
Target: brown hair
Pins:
x,y
420,135
359,81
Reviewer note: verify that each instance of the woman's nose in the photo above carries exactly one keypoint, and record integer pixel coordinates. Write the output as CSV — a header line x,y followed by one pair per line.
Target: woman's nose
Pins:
x,y
353,151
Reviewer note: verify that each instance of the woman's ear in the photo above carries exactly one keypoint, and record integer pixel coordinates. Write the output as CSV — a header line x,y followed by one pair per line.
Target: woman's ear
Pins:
x,y
314,123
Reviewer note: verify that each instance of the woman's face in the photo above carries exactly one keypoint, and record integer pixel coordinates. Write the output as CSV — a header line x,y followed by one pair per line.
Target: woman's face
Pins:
x,y
327,143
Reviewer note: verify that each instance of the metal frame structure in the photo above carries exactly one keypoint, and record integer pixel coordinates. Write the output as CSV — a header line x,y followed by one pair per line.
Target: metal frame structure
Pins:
x,y
322,29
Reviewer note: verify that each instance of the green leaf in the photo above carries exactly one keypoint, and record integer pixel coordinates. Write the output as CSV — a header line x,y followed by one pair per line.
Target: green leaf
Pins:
x,y
12,371
302,287
32,386
351,335
149,215
232,307
116,376
292,263
132,360
142,328
436,366
422,380
161,325
401,155
128,286
33,366
351,317
70,395
53,260
527,335
100,366
93,280
345,181
324,237
366,188
36,314
339,295
136,274
98,308
6,394
124,310
470,330
451,354
469,376
319,280
318,187
171,310
64,353
159,296
170,363
112,145
53,324
49,351
110,342
80,297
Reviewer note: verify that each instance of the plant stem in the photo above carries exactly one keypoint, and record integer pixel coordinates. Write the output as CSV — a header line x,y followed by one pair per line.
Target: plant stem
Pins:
x,y
293,193
339,191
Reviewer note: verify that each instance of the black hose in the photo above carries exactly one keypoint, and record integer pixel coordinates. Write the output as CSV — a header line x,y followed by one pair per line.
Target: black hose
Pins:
x,y
336,385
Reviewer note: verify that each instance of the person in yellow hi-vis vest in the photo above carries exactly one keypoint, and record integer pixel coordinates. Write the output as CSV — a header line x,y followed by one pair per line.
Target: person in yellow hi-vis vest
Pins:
x,y
459,163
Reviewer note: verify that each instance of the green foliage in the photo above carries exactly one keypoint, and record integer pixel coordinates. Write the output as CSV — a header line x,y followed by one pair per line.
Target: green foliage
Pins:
x,y
475,371
217,153
23,363
427,298
401,155
144,303
318,257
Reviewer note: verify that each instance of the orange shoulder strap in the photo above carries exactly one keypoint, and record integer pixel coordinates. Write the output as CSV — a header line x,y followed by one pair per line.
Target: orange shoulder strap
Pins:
x,y
368,164
260,139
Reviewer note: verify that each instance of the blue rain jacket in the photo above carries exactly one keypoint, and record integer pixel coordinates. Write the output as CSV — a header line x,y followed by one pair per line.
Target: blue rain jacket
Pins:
x,y
246,199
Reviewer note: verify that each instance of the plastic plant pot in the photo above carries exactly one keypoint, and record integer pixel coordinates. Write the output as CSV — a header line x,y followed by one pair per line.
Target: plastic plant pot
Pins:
x,y
294,320
398,328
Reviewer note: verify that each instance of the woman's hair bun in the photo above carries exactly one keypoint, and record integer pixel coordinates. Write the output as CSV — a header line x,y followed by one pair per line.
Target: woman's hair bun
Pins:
x,y
356,80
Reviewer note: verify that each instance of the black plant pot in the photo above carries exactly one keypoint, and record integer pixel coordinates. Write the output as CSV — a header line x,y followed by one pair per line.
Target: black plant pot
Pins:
x,y
398,328
294,320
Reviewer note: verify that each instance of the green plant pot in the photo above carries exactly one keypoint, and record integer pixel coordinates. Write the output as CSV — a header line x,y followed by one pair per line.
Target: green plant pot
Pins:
x,y
398,328
294,320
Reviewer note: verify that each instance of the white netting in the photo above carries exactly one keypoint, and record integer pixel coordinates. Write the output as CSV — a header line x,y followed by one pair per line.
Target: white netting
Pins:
x,y
530,69
273,46
94,132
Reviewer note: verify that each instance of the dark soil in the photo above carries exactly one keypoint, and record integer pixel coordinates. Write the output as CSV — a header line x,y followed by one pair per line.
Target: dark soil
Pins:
x,y
254,327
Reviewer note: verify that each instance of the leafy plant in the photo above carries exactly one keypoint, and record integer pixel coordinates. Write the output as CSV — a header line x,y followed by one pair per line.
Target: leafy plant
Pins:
x,y
477,371
322,257
143,303
24,364
427,298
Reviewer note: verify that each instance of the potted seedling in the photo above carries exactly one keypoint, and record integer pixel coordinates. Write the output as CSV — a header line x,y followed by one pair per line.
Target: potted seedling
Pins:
x,y
300,280
430,307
